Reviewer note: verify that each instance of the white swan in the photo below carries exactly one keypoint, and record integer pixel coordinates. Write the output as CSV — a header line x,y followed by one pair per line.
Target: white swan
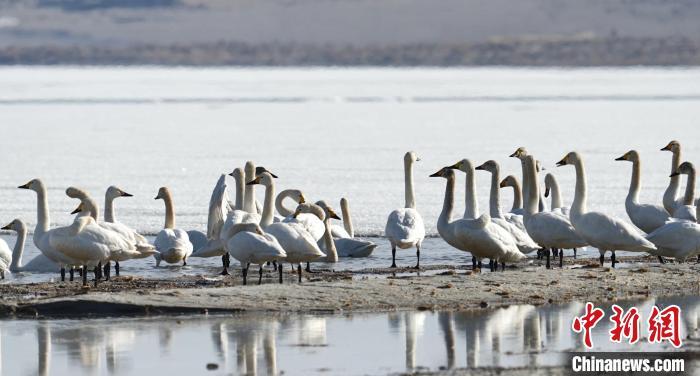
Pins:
x,y
404,227
211,243
141,248
173,244
671,199
686,209
677,239
42,232
522,239
248,244
647,217
344,237
239,215
88,243
512,181
39,264
481,237
551,186
600,230
548,229
327,213
297,242
5,258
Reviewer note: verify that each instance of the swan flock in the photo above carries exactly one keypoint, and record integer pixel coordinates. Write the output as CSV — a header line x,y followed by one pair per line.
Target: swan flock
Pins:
x,y
270,234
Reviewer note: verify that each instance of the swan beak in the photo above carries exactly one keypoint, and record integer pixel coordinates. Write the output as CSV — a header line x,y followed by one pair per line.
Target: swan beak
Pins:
x,y
622,158
254,181
78,209
674,174
435,175
417,159
503,184
157,197
546,192
7,226
24,186
562,162
479,167
273,175
296,213
124,194
455,166
667,147
333,214
514,155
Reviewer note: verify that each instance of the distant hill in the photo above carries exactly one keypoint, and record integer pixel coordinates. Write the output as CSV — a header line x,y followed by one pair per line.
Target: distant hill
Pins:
x,y
351,32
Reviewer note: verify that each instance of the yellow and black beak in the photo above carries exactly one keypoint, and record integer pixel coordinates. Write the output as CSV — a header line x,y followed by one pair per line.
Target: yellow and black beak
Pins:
x,y
622,158
502,184
7,227
562,162
667,147
675,173
78,209
254,181
124,194
296,213
302,199
546,192
333,214
481,167
455,166
24,186
515,154
436,175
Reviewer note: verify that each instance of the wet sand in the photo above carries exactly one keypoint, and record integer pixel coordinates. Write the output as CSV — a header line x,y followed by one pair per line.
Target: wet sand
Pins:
x,y
435,287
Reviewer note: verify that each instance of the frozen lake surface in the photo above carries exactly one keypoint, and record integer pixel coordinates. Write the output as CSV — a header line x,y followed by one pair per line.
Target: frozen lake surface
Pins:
x,y
332,133
342,344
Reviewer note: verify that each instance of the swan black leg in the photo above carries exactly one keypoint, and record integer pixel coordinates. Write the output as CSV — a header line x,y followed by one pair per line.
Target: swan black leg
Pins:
x,y
274,265
299,271
574,253
479,264
308,267
184,261
279,270
393,256
473,263
260,275
63,274
71,273
661,259
107,270
548,265
417,258
84,275
98,270
490,265
602,259
116,268
245,275
225,261
503,266
561,258
612,259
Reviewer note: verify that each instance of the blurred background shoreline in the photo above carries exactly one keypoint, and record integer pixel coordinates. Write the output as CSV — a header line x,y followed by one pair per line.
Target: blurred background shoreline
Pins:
x,y
350,33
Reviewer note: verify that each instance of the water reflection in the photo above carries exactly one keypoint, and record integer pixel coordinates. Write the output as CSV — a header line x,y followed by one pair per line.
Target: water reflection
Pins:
x,y
272,344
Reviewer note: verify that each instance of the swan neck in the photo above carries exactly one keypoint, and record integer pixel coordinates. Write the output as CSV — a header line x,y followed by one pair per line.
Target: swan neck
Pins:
x,y
448,204
495,198
408,184
109,209
578,207
239,188
18,250
673,188
530,187
169,211
249,196
331,252
91,207
635,182
689,197
43,219
517,196
556,196
471,206
347,219
268,210
279,202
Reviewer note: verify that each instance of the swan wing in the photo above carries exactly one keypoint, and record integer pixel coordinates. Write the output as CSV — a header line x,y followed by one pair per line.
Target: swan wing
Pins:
x,y
310,222
522,240
218,208
549,229
609,233
348,247
5,255
339,232
676,239
197,238
647,217
405,227
298,243
686,212
250,247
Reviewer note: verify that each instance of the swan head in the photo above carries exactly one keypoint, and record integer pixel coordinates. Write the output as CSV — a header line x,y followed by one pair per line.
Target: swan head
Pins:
x,y
35,185
568,159
509,181
445,172
549,181
411,157
519,153
631,156
16,225
79,209
237,174
465,165
260,169
328,210
74,192
673,146
264,179
310,209
114,192
163,192
538,166
490,166
685,168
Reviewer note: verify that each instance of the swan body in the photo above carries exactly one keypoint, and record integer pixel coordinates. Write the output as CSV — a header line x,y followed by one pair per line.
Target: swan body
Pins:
x,y
404,227
686,210
5,258
522,239
480,236
670,199
600,230
87,242
39,264
344,236
309,221
173,244
647,217
677,239
248,244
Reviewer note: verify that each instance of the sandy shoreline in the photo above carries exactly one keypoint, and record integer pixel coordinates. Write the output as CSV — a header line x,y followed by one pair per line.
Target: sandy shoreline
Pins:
x,y
436,287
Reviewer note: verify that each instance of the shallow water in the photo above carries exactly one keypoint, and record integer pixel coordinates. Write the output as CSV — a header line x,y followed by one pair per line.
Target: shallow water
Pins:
x,y
347,344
